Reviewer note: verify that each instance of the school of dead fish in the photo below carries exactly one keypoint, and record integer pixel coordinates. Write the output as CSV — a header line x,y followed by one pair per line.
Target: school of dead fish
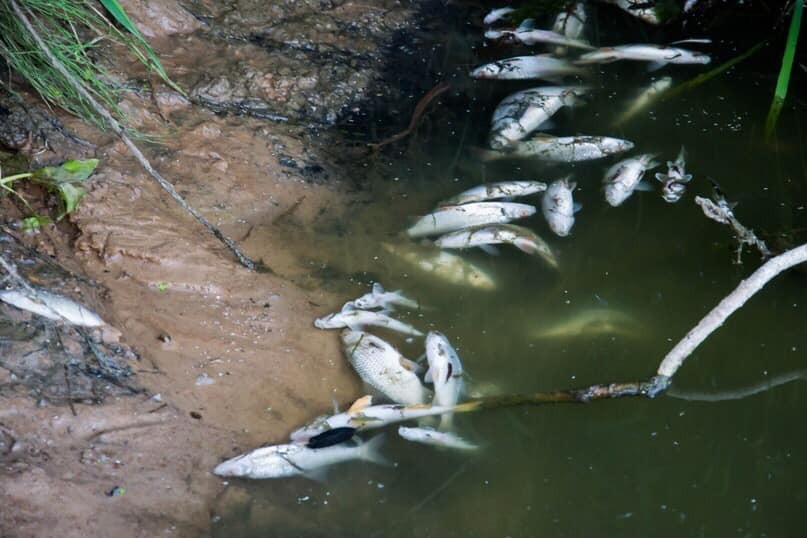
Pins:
x,y
482,217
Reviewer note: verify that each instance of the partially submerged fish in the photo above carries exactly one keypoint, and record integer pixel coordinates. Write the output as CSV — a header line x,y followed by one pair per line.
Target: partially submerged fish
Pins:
x,y
52,306
527,67
571,24
493,191
675,179
558,207
566,149
521,113
641,9
498,14
660,55
645,97
379,298
279,461
624,177
383,367
429,436
439,264
445,372
527,34
457,217
493,234
592,322
355,319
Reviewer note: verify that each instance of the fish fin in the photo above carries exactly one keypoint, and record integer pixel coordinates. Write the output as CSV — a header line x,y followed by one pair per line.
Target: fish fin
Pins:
x,y
371,451
703,41
655,66
489,249
412,366
686,178
661,176
644,186
428,377
577,207
348,306
378,289
361,404
526,25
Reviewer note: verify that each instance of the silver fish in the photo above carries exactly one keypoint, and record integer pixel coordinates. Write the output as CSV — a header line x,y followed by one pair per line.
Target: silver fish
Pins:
x,y
571,24
527,67
52,306
566,149
428,436
645,97
521,113
492,234
380,298
592,322
439,264
445,372
528,35
493,191
675,179
641,9
457,217
357,319
279,461
658,54
498,14
624,177
381,366
557,206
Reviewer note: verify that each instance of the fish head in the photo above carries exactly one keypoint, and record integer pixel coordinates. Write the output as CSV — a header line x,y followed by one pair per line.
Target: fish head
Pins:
x,y
525,210
238,466
492,69
366,301
701,58
331,321
616,145
672,191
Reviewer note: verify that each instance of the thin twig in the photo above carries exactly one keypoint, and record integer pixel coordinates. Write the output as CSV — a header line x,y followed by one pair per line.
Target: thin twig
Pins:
x,y
719,210
420,109
119,130
737,394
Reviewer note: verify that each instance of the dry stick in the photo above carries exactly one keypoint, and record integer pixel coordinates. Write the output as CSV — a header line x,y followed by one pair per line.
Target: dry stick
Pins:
x,y
420,109
118,129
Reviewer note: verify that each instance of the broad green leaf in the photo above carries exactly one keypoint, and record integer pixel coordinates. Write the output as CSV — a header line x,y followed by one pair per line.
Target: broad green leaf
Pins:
x,y
31,224
73,170
70,194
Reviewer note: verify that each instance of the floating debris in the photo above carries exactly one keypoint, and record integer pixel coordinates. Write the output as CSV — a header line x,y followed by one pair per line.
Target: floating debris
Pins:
x,y
442,265
592,322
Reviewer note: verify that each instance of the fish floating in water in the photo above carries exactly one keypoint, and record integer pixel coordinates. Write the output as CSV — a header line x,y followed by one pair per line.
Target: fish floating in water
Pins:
x,y
558,206
675,179
493,191
445,372
383,367
493,234
498,14
527,34
429,436
527,67
592,322
357,319
659,55
442,265
567,149
571,23
457,217
645,97
293,459
386,300
521,113
624,177
52,306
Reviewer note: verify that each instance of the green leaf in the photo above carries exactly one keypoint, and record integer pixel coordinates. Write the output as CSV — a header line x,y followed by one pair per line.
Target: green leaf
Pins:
x,y
73,170
70,194
784,72
31,224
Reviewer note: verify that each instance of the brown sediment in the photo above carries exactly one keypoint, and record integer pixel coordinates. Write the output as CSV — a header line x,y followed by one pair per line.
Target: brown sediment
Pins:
x,y
177,297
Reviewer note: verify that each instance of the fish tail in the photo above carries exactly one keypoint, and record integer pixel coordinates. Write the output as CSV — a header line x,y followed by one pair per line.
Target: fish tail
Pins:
x,y
371,451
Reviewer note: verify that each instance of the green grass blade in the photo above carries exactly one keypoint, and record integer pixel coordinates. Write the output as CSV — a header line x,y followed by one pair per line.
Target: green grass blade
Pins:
x,y
784,72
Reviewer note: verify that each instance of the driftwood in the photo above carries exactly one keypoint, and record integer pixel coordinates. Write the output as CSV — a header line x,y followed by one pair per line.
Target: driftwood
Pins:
x,y
420,109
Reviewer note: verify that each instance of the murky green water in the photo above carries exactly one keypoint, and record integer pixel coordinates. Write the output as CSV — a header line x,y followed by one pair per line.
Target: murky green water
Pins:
x,y
670,467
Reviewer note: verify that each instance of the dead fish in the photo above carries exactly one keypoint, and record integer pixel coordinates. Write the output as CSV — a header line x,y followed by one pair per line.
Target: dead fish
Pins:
x,y
357,319
327,423
494,234
540,66
493,191
675,179
592,322
624,177
659,55
445,372
641,9
558,206
442,265
645,97
521,113
379,298
429,436
331,437
566,149
498,14
52,306
457,217
571,23
381,366
279,461
527,34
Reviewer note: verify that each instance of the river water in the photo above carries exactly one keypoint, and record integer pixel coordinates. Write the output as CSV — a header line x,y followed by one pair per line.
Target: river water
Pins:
x,y
674,466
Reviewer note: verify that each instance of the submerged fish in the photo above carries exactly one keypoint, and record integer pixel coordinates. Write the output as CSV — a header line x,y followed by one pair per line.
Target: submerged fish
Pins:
x,y
592,322
521,113
379,298
383,367
675,179
445,372
624,177
566,149
457,217
641,9
527,67
571,24
493,191
439,264
428,436
493,234
279,461
357,319
52,306
660,55
645,97
498,14
557,206
529,35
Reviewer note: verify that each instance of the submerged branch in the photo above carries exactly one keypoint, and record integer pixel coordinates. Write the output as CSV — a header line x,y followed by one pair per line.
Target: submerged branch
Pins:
x,y
420,109
740,393
721,212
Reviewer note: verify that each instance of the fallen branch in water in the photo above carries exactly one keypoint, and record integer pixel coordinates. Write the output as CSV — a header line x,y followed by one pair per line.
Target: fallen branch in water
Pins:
x,y
119,130
740,393
417,115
